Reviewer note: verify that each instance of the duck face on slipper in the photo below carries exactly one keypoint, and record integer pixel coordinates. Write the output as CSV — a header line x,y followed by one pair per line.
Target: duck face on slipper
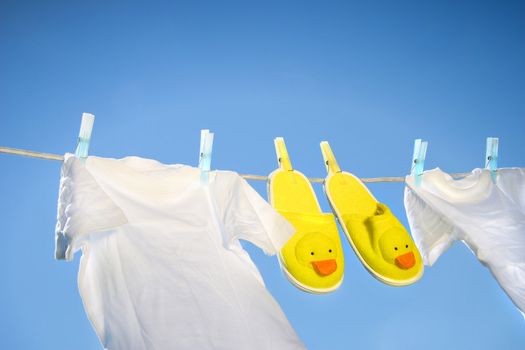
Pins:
x,y
391,240
317,252
397,248
313,257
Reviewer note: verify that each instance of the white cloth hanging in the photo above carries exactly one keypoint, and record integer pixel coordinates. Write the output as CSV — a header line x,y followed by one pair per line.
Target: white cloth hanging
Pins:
x,y
489,218
162,266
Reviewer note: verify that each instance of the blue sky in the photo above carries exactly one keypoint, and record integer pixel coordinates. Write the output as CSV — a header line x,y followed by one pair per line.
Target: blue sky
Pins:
x,y
369,77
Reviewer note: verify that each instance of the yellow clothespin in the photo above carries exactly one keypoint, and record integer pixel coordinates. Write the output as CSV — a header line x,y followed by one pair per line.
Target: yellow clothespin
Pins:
x,y
282,154
329,159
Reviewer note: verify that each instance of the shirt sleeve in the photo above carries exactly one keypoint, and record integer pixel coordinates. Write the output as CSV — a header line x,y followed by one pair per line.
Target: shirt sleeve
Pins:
x,y
83,208
432,233
248,216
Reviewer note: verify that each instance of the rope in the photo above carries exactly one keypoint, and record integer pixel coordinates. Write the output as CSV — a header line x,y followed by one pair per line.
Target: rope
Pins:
x,y
50,156
32,154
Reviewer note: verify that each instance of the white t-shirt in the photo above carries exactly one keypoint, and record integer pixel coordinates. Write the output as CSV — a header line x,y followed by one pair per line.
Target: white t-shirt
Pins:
x,y
489,218
162,267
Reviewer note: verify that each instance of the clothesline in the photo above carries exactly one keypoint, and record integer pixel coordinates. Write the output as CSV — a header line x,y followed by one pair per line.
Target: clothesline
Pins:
x,y
50,156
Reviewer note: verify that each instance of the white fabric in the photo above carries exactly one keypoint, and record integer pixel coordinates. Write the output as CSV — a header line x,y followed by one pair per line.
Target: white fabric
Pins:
x,y
489,218
162,267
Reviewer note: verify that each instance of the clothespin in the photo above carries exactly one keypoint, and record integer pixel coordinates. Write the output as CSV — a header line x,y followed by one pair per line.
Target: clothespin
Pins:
x,y
282,154
491,157
84,136
329,158
205,154
418,159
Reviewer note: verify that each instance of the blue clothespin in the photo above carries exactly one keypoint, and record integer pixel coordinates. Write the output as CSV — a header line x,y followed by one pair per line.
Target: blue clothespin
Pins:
x,y
84,136
418,159
205,154
491,157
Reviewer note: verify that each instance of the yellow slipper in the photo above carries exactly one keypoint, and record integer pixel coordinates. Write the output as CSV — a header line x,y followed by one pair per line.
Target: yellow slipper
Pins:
x,y
313,258
378,238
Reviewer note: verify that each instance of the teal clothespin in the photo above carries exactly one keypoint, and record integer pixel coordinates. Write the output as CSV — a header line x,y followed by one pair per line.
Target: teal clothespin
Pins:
x,y
418,159
491,157
205,154
84,136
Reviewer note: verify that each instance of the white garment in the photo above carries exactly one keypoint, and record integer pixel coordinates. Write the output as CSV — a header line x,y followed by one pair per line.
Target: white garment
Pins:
x,y
162,267
489,218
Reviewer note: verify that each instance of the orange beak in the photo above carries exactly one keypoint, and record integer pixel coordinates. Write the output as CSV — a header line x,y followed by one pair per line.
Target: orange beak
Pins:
x,y
325,267
406,261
